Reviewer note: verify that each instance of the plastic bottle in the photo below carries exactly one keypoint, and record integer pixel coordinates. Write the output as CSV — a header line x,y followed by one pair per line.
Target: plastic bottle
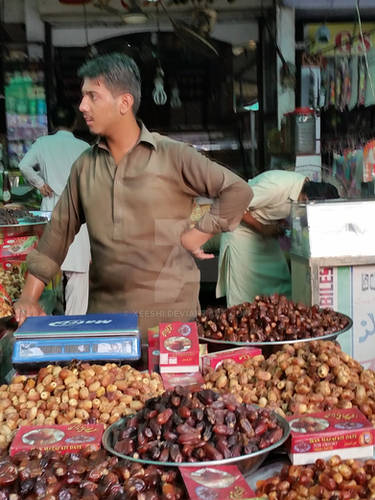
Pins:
x,y
6,187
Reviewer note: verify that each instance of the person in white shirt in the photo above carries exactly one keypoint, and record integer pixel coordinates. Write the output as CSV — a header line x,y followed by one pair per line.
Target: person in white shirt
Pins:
x,y
54,155
251,261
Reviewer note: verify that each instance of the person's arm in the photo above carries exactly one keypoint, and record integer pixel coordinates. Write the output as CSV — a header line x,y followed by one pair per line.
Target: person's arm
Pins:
x,y
27,304
27,164
193,239
274,229
203,177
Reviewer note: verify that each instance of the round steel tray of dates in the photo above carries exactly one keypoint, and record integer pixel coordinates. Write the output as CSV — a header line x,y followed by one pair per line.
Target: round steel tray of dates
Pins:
x,y
203,428
270,321
21,222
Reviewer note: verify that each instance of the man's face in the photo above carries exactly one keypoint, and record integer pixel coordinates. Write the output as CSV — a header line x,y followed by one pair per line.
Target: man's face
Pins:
x,y
101,110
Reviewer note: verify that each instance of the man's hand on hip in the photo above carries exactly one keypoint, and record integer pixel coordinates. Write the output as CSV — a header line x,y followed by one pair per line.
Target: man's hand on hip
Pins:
x,y
193,239
46,191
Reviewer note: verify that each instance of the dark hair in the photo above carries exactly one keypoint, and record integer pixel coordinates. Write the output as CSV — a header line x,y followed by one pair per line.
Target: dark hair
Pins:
x,y
319,191
63,115
119,72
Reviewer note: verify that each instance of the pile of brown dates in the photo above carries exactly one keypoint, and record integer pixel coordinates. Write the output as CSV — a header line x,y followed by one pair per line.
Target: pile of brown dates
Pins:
x,y
273,318
90,475
181,426
335,479
301,378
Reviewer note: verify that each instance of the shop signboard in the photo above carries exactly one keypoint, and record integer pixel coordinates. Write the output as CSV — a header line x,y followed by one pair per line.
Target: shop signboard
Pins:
x,y
351,290
334,39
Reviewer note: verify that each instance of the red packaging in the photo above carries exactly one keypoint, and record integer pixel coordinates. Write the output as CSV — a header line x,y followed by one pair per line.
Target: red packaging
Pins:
x,y
221,482
179,347
17,247
344,432
153,349
61,438
193,381
238,355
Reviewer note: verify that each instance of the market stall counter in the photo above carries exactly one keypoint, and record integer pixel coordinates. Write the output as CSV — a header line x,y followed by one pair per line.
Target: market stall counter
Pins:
x,y
167,442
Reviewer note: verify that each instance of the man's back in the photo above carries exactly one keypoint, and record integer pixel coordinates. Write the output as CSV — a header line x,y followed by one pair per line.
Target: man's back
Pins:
x,y
55,155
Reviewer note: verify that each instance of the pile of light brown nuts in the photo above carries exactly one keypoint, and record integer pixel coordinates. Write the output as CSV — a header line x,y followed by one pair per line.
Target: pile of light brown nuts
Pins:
x,y
300,378
86,393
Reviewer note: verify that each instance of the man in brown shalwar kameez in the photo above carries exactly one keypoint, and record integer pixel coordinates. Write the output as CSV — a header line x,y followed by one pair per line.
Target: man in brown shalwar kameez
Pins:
x,y
135,191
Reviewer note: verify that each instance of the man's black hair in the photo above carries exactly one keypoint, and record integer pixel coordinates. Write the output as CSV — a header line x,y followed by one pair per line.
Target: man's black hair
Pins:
x,y
320,191
63,115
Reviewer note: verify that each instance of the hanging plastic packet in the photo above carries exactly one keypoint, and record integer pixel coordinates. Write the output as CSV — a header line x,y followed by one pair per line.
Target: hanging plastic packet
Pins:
x,y
158,94
175,99
361,82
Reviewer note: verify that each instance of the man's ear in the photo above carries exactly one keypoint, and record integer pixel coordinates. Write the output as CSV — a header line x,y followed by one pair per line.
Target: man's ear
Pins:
x,y
126,103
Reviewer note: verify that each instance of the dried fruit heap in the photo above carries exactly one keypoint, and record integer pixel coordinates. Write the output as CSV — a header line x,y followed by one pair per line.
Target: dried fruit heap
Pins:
x,y
269,319
88,475
331,480
86,393
195,427
303,378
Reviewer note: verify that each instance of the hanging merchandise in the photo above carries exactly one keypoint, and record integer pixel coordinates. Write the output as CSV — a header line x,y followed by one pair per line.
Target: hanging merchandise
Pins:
x,y
158,94
370,88
175,99
345,83
369,161
347,167
353,68
361,81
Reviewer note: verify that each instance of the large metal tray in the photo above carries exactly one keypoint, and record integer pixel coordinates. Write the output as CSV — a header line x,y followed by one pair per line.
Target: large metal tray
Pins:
x,y
280,343
246,463
25,228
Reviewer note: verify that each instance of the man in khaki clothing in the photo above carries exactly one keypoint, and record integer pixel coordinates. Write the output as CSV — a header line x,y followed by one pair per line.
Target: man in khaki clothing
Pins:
x,y
135,190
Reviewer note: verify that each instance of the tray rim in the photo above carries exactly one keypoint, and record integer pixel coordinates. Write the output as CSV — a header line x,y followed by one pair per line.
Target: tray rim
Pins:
x,y
281,342
225,461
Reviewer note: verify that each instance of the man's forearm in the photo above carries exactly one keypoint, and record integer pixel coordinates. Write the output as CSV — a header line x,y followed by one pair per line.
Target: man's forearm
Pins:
x,y
252,222
33,288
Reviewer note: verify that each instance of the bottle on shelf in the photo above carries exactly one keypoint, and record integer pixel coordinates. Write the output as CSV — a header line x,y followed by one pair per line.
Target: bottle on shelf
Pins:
x,y
6,187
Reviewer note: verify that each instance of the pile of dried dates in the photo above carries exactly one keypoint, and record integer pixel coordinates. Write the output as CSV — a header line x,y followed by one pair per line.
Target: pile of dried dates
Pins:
x,y
10,216
90,475
335,479
181,426
273,318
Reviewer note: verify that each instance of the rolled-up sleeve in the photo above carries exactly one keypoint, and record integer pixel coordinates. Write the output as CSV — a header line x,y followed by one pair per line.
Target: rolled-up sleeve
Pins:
x,y
230,193
67,217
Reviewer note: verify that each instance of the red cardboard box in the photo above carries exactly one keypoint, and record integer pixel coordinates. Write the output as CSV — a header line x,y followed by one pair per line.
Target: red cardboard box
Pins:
x,y
61,438
179,347
343,432
221,482
238,355
17,247
193,381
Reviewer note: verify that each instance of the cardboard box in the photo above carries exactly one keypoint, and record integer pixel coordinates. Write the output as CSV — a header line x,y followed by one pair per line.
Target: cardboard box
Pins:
x,y
221,482
17,247
343,432
193,381
238,355
153,352
61,438
179,347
